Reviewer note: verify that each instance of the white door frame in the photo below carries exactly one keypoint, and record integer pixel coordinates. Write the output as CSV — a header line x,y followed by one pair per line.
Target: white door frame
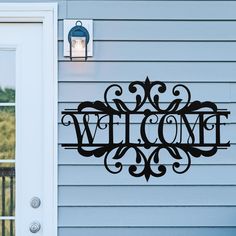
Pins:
x,y
45,13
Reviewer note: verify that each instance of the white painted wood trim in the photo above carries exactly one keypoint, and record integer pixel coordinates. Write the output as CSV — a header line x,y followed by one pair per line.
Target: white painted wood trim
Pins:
x,y
45,13
7,218
7,104
7,161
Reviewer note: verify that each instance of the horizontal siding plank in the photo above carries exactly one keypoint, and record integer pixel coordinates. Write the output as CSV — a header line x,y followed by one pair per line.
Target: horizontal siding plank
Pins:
x,y
161,30
146,195
77,92
166,71
147,216
155,51
152,9
72,157
147,231
98,175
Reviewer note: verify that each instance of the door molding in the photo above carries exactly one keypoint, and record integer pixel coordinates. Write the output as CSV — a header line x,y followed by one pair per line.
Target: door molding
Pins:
x,y
45,13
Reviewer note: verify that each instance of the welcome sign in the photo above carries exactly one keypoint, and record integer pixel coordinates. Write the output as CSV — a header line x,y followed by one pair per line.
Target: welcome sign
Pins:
x,y
146,128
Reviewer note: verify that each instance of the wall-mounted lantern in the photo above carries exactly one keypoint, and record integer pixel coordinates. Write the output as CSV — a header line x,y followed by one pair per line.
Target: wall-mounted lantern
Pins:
x,y
78,39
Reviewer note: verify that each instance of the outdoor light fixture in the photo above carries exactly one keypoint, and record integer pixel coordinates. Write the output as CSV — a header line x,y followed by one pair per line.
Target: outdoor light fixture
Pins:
x,y
78,39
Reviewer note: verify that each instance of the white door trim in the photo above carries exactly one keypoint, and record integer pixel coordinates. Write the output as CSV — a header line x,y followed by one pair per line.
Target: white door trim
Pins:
x,y
45,13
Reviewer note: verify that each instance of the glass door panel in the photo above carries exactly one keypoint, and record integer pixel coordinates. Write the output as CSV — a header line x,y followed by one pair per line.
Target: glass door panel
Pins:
x,y
7,133
7,143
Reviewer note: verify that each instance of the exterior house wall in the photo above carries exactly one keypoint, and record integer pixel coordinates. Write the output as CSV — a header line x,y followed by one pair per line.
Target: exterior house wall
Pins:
x,y
193,42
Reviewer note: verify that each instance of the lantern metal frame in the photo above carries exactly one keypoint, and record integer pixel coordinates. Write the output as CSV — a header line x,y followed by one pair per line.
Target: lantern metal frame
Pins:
x,y
79,31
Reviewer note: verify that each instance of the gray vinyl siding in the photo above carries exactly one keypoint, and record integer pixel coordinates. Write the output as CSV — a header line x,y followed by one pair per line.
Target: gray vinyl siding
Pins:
x,y
193,42
150,231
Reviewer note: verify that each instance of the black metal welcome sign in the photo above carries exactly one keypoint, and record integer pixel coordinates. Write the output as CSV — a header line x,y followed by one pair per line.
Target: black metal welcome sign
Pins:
x,y
146,133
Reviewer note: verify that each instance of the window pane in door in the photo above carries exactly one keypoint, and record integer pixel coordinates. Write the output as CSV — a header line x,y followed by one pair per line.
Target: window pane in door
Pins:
x,y
7,76
7,228
7,189
7,132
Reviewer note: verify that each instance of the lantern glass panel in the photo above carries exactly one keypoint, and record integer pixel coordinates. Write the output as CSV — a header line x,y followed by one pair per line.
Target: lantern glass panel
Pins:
x,y
78,47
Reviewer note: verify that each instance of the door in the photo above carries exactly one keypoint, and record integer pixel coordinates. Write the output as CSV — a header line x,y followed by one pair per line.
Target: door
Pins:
x,y
24,140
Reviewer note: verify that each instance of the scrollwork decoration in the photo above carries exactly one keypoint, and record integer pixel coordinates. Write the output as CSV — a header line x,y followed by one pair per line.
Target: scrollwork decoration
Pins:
x,y
179,127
